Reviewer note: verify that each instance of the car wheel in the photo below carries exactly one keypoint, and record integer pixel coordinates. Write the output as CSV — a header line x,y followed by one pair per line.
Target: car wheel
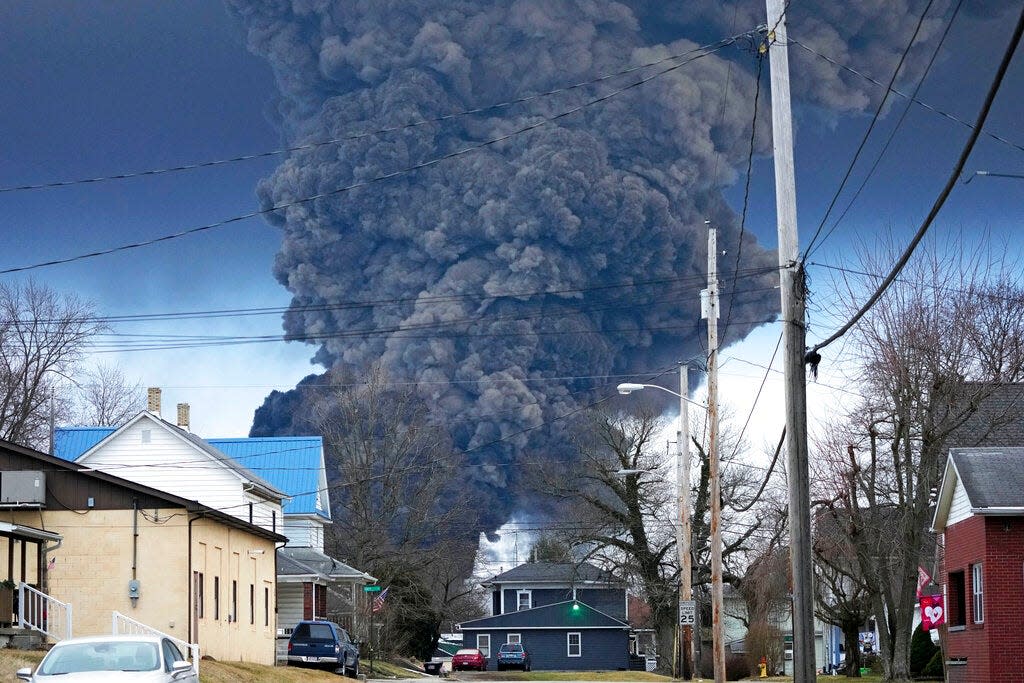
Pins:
x,y
352,671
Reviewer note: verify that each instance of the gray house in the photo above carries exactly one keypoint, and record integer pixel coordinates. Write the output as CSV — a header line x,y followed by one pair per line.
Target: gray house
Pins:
x,y
567,616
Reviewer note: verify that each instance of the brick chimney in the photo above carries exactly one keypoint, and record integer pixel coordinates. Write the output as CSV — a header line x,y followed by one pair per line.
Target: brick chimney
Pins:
x,y
183,416
154,401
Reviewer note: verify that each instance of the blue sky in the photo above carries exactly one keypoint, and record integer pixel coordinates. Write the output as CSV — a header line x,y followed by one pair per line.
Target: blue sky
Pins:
x,y
95,88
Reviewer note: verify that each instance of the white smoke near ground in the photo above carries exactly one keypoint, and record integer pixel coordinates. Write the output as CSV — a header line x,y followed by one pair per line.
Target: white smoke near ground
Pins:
x,y
527,259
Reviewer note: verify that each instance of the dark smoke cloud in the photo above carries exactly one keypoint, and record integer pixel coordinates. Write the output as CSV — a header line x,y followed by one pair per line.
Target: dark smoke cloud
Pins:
x,y
616,194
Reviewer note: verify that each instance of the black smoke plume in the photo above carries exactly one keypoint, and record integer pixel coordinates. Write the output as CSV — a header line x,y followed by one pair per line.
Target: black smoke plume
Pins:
x,y
511,282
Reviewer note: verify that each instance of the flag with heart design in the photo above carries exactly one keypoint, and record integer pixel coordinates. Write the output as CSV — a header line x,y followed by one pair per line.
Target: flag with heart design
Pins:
x,y
933,612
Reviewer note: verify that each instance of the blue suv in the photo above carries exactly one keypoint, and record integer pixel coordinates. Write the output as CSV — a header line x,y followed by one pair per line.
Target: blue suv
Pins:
x,y
513,655
323,644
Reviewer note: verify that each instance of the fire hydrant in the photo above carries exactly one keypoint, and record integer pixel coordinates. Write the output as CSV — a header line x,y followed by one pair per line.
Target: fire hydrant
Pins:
x,y
763,665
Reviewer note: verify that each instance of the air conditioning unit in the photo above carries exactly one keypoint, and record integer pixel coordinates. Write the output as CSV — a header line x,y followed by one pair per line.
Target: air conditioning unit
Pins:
x,y
25,488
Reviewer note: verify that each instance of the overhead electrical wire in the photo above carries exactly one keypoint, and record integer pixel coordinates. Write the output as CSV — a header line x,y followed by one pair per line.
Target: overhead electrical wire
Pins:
x,y
397,301
871,126
899,93
986,107
746,192
702,51
942,288
892,134
128,340
355,136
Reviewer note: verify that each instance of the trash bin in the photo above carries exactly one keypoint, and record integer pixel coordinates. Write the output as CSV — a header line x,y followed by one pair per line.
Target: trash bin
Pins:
x,y
432,668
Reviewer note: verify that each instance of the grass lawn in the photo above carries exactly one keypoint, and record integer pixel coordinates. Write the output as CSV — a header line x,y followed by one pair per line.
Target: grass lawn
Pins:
x,y
218,672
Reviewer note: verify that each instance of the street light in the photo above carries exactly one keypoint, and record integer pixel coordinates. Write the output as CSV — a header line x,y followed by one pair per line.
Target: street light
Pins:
x,y
683,530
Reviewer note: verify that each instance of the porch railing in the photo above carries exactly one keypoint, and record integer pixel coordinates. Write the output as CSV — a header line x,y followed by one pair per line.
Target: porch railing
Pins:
x,y
44,613
121,624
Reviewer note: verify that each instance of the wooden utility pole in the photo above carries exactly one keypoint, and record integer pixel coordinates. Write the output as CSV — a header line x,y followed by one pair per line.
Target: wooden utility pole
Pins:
x,y
793,333
684,532
711,312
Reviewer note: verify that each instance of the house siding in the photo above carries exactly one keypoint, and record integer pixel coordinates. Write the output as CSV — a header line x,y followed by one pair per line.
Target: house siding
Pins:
x,y
168,463
303,532
602,649
959,506
611,601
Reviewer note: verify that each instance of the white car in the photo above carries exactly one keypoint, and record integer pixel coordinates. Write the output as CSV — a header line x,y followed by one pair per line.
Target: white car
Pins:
x,y
108,659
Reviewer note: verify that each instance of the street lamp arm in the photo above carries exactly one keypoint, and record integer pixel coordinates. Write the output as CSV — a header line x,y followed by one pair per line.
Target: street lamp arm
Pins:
x,y
627,388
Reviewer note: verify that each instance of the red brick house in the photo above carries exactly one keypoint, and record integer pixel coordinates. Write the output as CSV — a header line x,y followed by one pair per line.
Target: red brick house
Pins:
x,y
980,515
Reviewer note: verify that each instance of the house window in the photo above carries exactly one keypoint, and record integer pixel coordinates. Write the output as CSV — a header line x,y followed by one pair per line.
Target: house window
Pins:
x,y
234,601
977,593
957,599
252,604
524,600
483,643
216,597
514,638
200,590
574,642
266,606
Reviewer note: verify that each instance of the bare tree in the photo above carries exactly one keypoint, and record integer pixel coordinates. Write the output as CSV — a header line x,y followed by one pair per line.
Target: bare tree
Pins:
x,y
399,511
620,499
43,336
108,398
929,353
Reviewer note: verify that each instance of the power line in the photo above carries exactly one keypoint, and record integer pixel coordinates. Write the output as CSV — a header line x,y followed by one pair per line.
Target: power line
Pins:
x,y
894,91
944,194
943,288
355,136
892,133
707,50
871,127
746,193
415,299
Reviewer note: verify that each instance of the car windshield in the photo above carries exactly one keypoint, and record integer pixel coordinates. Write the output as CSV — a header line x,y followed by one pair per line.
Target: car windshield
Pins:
x,y
466,652
126,655
511,647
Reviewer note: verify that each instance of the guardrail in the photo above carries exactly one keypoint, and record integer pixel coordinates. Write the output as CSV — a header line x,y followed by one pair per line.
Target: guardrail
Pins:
x,y
121,624
44,613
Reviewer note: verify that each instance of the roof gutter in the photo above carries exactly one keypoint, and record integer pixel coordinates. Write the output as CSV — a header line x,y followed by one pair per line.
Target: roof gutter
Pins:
x,y
999,511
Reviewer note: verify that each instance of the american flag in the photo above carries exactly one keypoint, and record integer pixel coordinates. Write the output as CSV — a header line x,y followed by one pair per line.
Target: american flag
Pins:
x,y
378,602
51,564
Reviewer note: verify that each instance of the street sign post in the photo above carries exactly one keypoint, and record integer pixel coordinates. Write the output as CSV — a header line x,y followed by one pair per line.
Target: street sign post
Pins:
x,y
687,612
371,589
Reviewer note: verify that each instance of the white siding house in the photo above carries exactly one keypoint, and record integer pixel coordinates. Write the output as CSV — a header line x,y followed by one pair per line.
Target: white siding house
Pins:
x,y
153,452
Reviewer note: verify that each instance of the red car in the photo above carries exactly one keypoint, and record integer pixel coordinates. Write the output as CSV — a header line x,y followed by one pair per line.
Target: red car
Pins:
x,y
470,658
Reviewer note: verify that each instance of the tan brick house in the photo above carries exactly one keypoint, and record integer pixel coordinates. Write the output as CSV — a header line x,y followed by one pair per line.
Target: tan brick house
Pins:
x,y
200,574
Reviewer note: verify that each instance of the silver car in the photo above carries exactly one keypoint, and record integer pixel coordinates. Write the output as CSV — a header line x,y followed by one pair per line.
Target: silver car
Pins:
x,y
139,659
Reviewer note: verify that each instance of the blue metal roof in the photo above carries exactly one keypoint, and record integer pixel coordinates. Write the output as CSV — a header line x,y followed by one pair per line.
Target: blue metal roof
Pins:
x,y
71,442
290,463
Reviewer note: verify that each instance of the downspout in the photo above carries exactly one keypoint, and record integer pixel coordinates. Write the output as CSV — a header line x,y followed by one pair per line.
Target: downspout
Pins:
x,y
191,606
135,536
